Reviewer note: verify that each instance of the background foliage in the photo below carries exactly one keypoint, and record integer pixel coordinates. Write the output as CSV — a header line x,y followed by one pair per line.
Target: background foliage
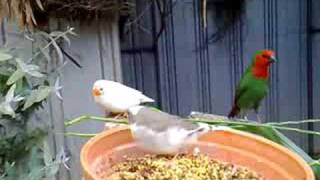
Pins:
x,y
24,87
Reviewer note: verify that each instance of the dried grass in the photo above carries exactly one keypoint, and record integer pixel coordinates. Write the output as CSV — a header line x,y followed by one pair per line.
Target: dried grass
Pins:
x,y
30,13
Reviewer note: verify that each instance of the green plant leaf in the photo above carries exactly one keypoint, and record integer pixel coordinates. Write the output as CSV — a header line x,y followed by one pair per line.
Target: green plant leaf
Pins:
x,y
46,154
10,170
4,57
35,165
10,93
267,132
5,108
36,96
35,73
18,74
291,145
30,69
45,54
316,169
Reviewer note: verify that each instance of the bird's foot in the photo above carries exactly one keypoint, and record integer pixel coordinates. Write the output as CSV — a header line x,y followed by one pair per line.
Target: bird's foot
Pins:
x,y
118,116
110,125
124,115
115,116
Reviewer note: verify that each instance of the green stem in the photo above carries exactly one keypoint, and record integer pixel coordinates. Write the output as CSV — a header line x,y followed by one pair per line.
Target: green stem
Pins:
x,y
96,118
209,121
316,162
242,123
294,122
296,130
255,124
85,135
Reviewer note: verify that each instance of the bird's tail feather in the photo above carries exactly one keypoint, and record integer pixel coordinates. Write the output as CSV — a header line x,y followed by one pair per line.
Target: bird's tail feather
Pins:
x,y
146,99
234,111
204,128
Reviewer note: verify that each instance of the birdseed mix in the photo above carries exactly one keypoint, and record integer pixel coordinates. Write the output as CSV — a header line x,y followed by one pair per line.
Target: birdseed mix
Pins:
x,y
188,167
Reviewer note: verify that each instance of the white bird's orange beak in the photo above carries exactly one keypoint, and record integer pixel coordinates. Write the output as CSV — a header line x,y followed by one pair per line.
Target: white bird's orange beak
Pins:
x,y
95,92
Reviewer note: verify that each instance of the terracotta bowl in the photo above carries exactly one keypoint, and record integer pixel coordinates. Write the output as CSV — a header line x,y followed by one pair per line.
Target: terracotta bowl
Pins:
x,y
269,159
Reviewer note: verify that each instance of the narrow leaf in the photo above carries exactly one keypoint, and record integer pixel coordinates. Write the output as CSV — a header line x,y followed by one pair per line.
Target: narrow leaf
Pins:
x,y
43,93
36,96
36,74
316,169
291,145
45,54
5,108
4,57
35,166
46,154
18,74
10,93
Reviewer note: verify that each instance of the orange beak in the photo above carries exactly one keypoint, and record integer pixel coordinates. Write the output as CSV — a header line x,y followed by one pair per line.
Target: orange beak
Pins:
x,y
95,92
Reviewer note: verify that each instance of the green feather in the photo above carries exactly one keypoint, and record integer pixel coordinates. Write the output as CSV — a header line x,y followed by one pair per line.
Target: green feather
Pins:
x,y
250,90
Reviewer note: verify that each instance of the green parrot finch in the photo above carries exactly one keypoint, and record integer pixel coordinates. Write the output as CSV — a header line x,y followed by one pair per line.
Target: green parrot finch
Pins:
x,y
253,85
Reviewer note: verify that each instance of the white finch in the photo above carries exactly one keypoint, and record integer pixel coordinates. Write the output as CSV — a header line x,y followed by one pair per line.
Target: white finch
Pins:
x,y
116,97
163,133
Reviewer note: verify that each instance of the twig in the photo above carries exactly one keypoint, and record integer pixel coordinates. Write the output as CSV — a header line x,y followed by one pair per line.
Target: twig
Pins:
x,y
70,30
140,15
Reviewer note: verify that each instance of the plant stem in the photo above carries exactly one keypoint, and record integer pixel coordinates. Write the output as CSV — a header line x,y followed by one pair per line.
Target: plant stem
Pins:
x,y
315,162
296,130
51,42
255,124
209,121
85,135
96,118
294,122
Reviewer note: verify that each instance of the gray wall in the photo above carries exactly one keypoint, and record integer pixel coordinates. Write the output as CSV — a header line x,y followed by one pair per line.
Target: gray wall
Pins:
x,y
184,78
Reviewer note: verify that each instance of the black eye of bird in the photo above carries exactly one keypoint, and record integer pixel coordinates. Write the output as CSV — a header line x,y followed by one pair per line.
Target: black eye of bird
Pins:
x,y
101,89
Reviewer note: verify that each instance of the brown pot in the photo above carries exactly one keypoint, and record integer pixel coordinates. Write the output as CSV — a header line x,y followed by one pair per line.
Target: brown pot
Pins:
x,y
258,154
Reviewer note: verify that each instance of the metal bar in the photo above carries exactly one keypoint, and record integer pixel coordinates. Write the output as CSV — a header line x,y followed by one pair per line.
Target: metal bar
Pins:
x,y
310,74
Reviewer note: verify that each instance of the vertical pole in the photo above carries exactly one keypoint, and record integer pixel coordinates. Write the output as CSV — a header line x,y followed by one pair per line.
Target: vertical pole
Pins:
x,y
309,73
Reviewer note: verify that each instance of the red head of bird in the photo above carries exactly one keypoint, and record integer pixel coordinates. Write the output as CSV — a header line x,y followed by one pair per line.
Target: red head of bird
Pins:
x,y
261,62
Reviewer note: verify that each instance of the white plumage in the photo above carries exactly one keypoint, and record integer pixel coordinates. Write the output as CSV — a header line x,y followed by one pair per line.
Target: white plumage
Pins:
x,y
116,97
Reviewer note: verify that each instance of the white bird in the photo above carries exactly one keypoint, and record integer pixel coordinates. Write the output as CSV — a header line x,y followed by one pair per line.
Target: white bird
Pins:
x,y
116,97
163,133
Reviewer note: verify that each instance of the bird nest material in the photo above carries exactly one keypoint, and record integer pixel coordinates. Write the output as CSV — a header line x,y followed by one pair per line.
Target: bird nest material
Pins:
x,y
30,13
161,167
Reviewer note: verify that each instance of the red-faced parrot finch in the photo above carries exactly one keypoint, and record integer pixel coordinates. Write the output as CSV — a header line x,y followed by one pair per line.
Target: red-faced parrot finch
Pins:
x,y
253,85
